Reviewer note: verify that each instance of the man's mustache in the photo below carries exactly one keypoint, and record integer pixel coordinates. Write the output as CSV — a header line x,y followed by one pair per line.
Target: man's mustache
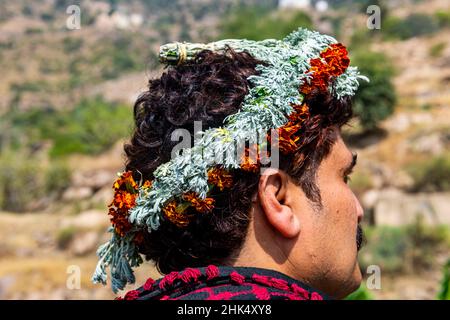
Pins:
x,y
360,238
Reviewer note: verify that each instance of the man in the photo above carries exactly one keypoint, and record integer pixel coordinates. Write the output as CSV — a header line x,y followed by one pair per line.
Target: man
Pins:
x,y
241,227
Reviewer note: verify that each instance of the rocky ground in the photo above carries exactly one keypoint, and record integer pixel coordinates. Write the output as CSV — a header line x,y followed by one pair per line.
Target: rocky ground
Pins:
x,y
34,266
410,136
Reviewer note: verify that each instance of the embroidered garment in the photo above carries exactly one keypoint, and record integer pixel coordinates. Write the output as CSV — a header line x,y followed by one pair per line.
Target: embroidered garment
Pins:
x,y
224,283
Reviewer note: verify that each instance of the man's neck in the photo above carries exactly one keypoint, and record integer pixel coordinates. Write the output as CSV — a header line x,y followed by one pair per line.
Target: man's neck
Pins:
x,y
261,253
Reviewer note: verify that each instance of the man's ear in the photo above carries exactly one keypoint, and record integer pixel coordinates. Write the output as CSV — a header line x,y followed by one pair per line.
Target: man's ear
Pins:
x,y
273,195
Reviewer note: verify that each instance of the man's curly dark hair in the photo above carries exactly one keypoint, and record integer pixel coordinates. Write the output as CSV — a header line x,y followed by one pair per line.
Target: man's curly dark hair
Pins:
x,y
207,90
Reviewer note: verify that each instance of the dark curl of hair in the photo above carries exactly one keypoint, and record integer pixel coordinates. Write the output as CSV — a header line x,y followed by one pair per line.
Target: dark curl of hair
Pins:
x,y
208,90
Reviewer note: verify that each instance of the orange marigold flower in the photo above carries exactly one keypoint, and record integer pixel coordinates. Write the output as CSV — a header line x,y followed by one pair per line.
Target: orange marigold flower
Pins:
x,y
206,205
125,194
123,199
250,160
319,81
333,62
220,178
125,182
175,216
147,184
201,205
300,113
336,57
288,135
288,138
119,220
248,165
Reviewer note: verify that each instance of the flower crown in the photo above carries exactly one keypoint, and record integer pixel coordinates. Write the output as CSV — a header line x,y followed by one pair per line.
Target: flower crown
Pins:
x,y
181,189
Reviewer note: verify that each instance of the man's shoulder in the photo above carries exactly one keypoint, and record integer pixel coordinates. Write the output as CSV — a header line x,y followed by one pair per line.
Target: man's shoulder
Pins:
x,y
224,283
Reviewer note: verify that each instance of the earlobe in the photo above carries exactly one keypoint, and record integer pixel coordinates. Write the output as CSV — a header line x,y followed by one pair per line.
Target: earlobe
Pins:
x,y
273,193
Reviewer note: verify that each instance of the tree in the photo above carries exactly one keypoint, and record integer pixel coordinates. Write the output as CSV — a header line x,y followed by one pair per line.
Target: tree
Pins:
x,y
444,293
414,25
375,100
258,23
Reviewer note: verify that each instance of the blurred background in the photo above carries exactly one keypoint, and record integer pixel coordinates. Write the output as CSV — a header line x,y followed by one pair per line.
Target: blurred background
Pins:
x,y
66,101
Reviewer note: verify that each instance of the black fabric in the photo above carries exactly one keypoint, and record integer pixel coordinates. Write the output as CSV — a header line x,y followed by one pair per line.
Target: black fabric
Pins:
x,y
225,283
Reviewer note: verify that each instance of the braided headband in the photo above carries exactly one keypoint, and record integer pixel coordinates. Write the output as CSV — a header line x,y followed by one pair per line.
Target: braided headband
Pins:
x,y
304,61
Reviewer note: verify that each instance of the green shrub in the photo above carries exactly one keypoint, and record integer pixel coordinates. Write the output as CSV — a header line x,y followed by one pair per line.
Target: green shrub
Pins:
x,y
29,86
47,16
31,31
160,4
58,177
432,174
359,5
409,248
65,236
375,100
258,23
27,10
362,293
87,19
91,127
360,37
122,53
444,293
25,180
386,247
414,25
437,49
443,18
71,44
425,242
426,106
21,181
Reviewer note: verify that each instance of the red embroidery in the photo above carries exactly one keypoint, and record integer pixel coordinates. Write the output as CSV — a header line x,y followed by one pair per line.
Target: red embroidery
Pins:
x,y
245,284
212,272
223,295
300,291
261,293
148,284
287,295
190,274
279,284
316,296
261,279
168,280
237,278
131,295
